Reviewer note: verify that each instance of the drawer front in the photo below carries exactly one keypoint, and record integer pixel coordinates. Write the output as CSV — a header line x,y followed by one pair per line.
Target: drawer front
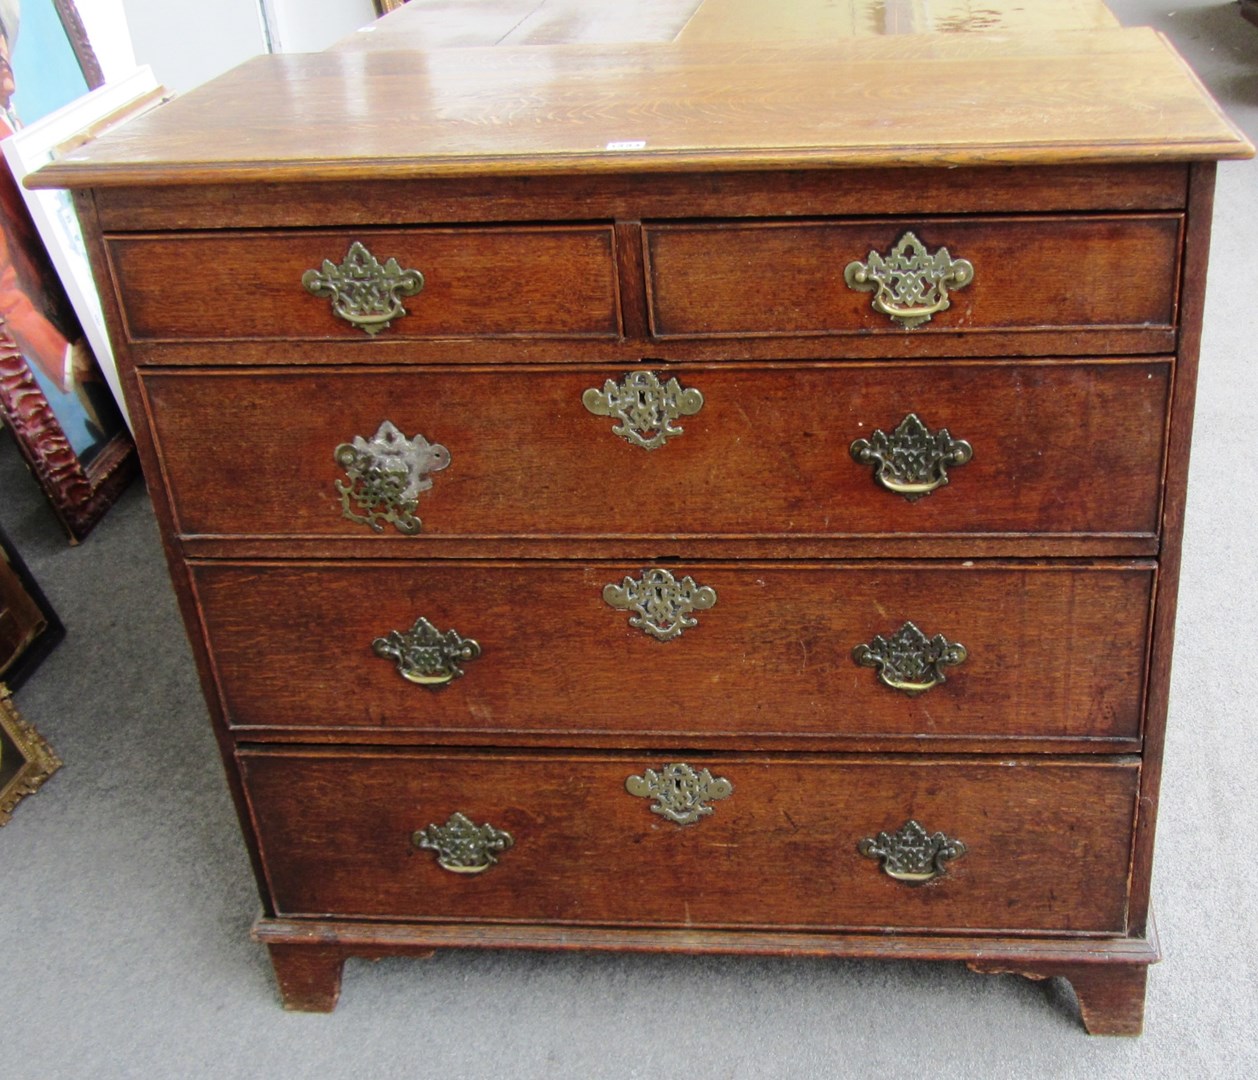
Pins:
x,y
1054,448
1041,846
491,282
788,278
769,649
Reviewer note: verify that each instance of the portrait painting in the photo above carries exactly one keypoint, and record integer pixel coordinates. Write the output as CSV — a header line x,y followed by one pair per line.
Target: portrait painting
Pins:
x,y
53,392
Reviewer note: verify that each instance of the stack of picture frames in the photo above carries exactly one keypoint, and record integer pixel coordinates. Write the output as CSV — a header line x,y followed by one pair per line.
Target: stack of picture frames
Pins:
x,y
26,760
59,392
29,629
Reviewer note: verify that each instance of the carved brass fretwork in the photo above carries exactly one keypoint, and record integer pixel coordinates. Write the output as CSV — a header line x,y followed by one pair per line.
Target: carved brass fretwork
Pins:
x,y
912,854
911,461
386,474
680,793
910,285
426,656
461,846
663,604
908,660
364,292
645,407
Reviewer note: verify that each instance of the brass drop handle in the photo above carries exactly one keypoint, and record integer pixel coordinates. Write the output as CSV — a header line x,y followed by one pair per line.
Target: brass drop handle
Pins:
x,y
912,855
910,284
364,292
426,656
463,847
909,661
912,461
646,408
385,476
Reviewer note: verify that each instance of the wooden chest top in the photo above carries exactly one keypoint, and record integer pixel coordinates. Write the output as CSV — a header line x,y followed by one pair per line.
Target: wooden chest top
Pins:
x,y
434,24
1050,98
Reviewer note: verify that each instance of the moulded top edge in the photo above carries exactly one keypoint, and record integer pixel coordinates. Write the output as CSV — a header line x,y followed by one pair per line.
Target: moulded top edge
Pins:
x,y
1105,96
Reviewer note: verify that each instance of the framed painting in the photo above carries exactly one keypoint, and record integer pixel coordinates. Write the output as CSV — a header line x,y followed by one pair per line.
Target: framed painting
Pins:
x,y
53,391
37,144
26,760
29,628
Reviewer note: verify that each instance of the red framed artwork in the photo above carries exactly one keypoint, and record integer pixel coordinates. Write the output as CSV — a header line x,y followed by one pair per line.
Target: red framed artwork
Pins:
x,y
53,393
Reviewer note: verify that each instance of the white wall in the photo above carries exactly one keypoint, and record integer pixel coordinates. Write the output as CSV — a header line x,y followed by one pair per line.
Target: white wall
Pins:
x,y
313,25
106,24
188,42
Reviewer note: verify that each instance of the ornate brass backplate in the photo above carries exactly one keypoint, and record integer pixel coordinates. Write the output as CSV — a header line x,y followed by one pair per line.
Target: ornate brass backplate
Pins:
x,y
386,474
461,846
911,854
910,285
908,660
426,656
364,292
663,604
680,793
911,461
645,407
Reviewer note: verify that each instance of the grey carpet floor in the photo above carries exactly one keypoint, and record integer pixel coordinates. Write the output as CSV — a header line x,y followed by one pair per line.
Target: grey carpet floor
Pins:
x,y
126,896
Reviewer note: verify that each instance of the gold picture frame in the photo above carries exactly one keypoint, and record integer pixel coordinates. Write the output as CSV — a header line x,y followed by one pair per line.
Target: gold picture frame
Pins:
x,y
26,759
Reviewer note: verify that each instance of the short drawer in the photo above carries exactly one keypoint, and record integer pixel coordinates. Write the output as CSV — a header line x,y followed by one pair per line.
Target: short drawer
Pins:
x,y
696,841
683,653
1025,273
486,282
807,450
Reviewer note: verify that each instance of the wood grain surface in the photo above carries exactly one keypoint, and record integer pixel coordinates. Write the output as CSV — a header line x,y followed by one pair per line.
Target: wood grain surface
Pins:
x,y
750,278
1047,98
429,24
1056,652
1048,843
825,20
1032,275
1107,973
251,452
676,186
782,194
557,282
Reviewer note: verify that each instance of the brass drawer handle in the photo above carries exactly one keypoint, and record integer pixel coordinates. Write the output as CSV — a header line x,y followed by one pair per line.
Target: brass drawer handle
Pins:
x,y
663,604
910,285
386,474
911,461
911,854
363,292
426,656
461,846
908,660
680,793
645,407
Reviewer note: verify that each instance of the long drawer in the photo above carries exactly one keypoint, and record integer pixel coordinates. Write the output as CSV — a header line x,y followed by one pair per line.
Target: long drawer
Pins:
x,y
792,278
486,282
927,449
566,651
696,842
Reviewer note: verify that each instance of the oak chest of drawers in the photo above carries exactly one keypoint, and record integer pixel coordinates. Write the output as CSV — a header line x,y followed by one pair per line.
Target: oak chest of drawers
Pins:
x,y
710,521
